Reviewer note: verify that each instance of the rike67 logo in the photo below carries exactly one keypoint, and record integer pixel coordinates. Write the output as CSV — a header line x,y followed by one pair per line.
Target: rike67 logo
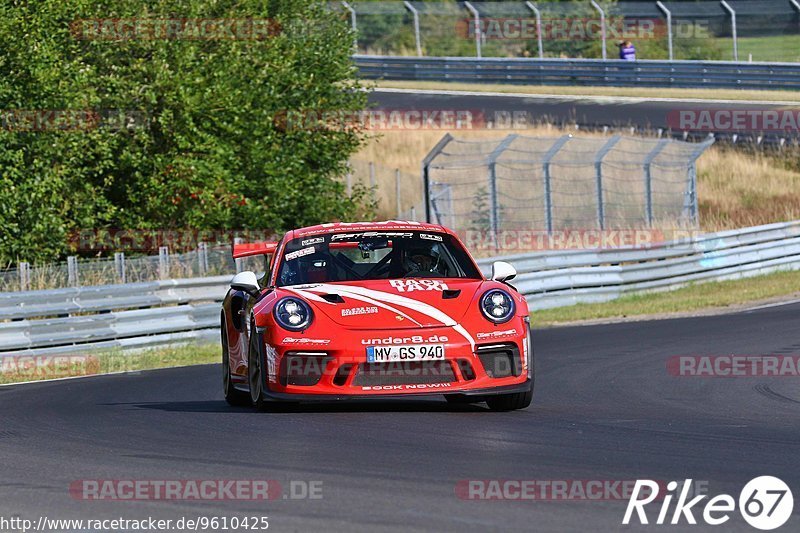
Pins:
x,y
765,503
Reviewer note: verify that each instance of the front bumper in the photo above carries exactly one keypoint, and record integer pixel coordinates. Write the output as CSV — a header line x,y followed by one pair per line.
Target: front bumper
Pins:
x,y
471,393
299,368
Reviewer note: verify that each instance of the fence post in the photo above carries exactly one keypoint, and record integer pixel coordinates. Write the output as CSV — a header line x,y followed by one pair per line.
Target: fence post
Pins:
x,y
397,192
72,271
353,24
238,262
373,183
426,186
548,193
733,29
414,213
602,25
477,17
690,200
119,264
494,208
668,13
202,258
598,171
648,178
538,27
417,38
24,276
348,180
163,262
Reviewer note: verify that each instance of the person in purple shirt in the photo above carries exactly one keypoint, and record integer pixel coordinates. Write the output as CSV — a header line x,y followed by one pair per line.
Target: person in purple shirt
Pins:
x,y
627,51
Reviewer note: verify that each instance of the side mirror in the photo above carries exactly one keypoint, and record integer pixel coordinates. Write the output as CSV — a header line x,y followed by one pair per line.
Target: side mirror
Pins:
x,y
502,271
246,281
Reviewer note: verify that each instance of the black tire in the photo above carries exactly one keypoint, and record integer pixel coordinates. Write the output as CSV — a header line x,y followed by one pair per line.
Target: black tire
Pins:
x,y
255,371
511,402
516,400
255,378
233,395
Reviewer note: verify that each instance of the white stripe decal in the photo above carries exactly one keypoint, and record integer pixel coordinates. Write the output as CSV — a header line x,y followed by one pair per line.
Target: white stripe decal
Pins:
x,y
365,299
396,299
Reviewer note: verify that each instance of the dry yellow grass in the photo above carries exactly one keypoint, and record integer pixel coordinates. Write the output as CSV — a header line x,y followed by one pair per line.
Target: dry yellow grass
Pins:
x,y
735,188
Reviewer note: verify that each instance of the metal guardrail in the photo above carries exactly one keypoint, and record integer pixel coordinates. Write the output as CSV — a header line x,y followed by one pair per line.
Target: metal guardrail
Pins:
x,y
554,279
134,315
596,72
148,314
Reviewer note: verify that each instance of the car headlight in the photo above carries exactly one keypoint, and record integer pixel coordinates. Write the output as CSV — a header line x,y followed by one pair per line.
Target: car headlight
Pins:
x,y
293,314
497,305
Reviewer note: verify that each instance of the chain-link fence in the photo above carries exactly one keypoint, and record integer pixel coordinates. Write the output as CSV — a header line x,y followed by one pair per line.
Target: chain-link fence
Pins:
x,y
205,261
757,30
396,194
522,183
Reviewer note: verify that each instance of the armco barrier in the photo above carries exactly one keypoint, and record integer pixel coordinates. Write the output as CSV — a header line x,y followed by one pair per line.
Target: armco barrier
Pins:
x,y
596,72
148,314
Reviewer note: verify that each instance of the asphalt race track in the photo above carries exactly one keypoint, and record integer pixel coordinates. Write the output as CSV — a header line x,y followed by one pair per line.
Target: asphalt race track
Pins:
x,y
642,113
605,408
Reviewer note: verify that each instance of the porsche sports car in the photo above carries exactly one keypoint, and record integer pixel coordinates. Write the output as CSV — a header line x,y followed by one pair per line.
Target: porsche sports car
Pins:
x,y
374,309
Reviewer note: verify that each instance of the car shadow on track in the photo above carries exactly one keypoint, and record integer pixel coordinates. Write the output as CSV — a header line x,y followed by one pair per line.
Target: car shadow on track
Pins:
x,y
366,406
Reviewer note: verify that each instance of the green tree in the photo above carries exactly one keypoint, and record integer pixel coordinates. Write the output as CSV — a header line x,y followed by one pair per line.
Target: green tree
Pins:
x,y
208,149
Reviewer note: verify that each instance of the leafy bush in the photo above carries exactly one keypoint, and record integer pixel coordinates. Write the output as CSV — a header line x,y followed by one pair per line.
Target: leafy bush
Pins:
x,y
206,150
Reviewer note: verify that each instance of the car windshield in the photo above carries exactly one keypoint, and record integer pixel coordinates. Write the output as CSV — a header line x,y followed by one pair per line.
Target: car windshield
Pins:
x,y
373,255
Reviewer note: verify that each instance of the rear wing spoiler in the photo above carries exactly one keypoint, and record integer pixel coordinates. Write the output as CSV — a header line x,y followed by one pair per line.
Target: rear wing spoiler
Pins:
x,y
254,248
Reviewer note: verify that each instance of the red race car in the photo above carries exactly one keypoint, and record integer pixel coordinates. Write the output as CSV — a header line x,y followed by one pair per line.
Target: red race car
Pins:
x,y
374,309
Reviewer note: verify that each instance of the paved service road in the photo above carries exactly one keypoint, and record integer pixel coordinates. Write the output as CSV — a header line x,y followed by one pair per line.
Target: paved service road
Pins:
x,y
605,408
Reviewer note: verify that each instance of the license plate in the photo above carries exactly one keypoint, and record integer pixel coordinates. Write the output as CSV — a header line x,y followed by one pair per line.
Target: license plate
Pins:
x,y
408,352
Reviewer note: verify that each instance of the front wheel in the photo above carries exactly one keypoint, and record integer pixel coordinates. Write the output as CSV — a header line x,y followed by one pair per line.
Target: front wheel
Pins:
x,y
255,373
233,396
511,402
255,378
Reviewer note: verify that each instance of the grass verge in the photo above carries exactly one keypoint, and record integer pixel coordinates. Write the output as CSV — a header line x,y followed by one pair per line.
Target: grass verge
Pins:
x,y
717,295
16,369
636,92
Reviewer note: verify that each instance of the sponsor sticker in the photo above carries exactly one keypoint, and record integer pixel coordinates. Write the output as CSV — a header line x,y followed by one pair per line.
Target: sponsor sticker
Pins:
x,y
296,340
300,253
411,285
409,387
430,237
371,235
354,311
414,339
495,334
314,240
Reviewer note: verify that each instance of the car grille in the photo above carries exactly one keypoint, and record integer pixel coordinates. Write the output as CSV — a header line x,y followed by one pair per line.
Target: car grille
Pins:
x,y
404,373
303,369
500,360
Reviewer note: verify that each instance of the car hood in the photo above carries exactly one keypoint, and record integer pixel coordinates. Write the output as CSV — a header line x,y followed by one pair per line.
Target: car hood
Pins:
x,y
392,304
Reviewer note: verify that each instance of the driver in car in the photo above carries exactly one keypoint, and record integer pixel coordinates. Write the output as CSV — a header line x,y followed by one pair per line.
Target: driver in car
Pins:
x,y
424,261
